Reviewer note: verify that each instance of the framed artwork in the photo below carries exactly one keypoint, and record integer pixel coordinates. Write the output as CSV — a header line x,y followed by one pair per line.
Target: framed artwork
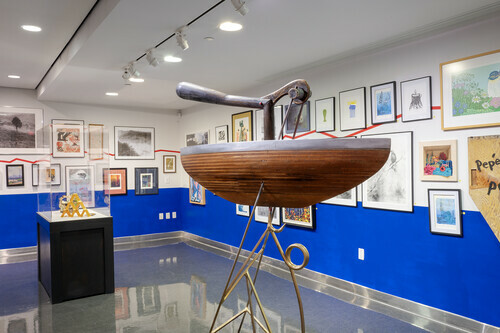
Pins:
x,y
302,217
242,126
35,173
15,174
198,138
148,300
438,161
383,99
80,180
198,299
262,215
122,308
96,142
243,210
445,212
391,187
221,133
115,181
416,99
470,92
169,163
325,114
21,130
51,174
67,122
68,140
304,121
352,105
348,198
134,143
259,123
146,181
196,192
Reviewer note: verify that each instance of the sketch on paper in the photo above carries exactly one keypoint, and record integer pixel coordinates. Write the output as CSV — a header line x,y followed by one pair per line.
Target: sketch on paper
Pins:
x,y
17,130
195,139
134,142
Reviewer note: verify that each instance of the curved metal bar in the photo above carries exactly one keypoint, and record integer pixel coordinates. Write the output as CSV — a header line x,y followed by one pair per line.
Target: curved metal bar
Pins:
x,y
298,90
289,261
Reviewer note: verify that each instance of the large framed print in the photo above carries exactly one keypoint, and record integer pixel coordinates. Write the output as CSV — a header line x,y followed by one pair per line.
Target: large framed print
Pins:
x,y
304,121
196,192
117,180
20,130
15,175
470,92
146,181
134,143
259,123
391,187
348,198
96,142
198,138
51,174
301,217
242,126
262,214
438,161
416,99
352,105
325,114
80,179
221,134
445,212
243,210
169,163
68,140
383,101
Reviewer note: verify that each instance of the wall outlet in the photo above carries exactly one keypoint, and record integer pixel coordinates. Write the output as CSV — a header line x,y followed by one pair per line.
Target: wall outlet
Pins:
x,y
160,216
167,216
174,215
361,254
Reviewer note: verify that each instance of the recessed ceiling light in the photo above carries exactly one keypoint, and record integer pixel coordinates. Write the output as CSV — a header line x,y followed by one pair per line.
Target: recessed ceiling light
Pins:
x,y
172,59
230,26
111,94
32,28
136,79
14,76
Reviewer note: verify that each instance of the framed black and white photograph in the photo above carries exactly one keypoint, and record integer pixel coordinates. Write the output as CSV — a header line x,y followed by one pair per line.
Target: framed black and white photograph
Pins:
x,y
68,141
146,181
304,120
259,123
243,210
262,214
221,133
416,99
134,143
300,217
348,198
445,212
325,114
391,187
383,99
50,174
20,130
15,174
80,179
352,106
198,138
35,173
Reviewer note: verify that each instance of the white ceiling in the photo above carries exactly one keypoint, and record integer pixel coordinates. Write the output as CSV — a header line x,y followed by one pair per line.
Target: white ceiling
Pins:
x,y
279,36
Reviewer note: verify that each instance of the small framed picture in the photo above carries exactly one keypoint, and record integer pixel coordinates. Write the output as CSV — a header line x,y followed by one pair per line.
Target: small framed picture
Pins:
x,y
348,198
35,174
15,175
169,163
80,180
96,142
115,181
243,210
196,139
304,121
438,161
196,192
262,214
51,175
416,99
67,140
134,143
383,99
259,123
21,131
445,212
242,125
325,114
146,181
221,133
352,105
67,122
301,217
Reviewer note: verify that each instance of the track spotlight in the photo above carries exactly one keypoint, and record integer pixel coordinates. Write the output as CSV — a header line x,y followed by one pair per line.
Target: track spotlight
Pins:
x,y
240,7
130,72
181,38
152,60
126,74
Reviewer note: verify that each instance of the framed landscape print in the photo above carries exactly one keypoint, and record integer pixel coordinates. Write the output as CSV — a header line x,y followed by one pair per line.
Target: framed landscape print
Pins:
x,y
438,161
352,105
383,99
243,210
35,174
304,121
259,123
169,163
51,174
242,126
302,217
325,114
68,141
146,181
262,215
348,198
96,142
196,192
134,143
198,138
80,180
15,174
470,91
445,212
20,130
416,99
117,180
391,187
221,134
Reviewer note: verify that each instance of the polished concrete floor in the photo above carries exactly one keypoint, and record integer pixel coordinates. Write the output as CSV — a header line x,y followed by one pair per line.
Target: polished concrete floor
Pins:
x,y
174,288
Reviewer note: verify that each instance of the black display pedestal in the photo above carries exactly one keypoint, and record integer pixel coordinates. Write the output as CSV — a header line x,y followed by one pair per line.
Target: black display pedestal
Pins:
x,y
75,257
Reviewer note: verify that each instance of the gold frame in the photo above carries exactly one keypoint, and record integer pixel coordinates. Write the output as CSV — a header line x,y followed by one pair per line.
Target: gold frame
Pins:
x,y
242,115
165,157
436,145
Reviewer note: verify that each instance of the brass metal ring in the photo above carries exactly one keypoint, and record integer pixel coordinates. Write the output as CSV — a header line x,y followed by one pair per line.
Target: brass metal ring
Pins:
x,y
302,249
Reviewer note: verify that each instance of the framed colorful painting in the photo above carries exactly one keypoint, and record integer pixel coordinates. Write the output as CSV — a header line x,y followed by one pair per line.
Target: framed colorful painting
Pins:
x,y
169,163
470,92
146,181
196,192
325,114
51,174
304,121
20,130
134,143
242,126
445,212
243,210
80,180
383,99
259,122
438,161
348,198
68,140
96,142
115,181
302,217
352,105
15,175
221,134
262,214
416,99
196,139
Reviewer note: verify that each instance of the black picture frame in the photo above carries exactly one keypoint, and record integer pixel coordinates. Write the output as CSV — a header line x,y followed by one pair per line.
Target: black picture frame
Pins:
x,y
328,102
344,98
141,175
305,125
385,118
452,218
14,182
426,105
242,116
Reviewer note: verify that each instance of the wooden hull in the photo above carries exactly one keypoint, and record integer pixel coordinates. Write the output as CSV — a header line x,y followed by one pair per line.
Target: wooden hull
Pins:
x,y
295,173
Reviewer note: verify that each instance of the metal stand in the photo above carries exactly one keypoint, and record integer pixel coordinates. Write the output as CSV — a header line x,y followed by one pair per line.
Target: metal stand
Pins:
x,y
256,256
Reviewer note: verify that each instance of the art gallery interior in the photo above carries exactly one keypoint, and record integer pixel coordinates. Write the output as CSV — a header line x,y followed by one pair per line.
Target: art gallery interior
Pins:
x,y
88,105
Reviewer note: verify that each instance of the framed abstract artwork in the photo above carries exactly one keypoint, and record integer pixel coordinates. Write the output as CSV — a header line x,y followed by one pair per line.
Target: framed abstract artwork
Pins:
x,y
391,187
96,142
438,161
383,101
169,163
470,92
196,192
259,123
51,175
221,134
146,181
262,214
68,140
21,130
416,99
198,138
301,217
304,121
325,114
243,210
80,180
352,106
348,198
445,212
15,174
134,143
242,126
115,181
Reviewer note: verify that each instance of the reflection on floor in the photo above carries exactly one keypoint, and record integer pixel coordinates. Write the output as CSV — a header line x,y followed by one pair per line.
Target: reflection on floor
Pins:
x,y
174,288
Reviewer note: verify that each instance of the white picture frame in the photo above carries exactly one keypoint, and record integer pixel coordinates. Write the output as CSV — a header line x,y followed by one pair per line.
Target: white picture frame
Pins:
x,y
259,123
221,134
348,198
243,210
262,215
445,212
416,99
134,143
24,135
68,141
352,109
325,114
